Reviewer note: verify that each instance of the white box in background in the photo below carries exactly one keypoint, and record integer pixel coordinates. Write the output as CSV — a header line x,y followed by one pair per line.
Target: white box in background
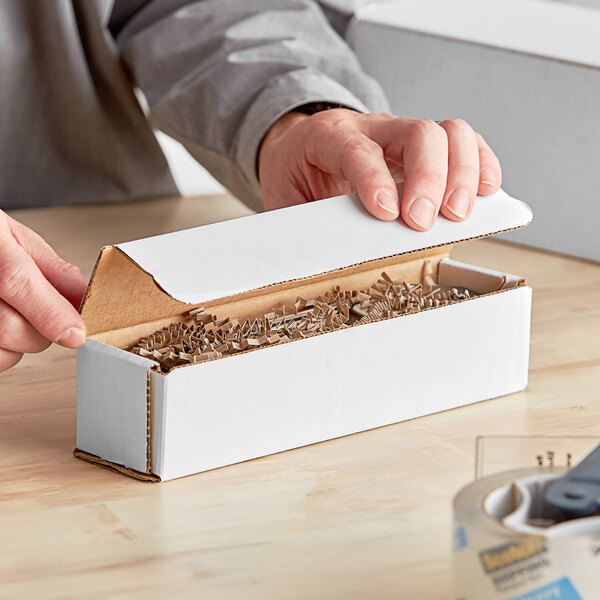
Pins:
x,y
152,425
526,74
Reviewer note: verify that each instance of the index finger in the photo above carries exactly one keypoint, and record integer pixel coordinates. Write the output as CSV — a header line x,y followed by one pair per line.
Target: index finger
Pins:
x,y
346,152
65,277
23,286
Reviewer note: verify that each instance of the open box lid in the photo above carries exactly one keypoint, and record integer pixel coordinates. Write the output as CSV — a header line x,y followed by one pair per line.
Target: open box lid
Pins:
x,y
556,30
157,277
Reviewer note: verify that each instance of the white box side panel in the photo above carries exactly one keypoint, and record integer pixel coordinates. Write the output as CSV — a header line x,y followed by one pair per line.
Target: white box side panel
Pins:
x,y
306,391
522,105
111,404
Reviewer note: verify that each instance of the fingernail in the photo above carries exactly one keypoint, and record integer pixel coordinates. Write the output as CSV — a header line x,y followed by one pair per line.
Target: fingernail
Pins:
x,y
72,338
388,202
422,212
458,204
488,177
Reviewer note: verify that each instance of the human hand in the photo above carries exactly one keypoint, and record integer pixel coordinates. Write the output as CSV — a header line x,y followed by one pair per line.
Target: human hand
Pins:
x,y
39,295
443,167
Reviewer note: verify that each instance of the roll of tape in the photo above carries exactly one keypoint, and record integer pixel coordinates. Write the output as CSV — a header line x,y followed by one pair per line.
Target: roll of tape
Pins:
x,y
507,546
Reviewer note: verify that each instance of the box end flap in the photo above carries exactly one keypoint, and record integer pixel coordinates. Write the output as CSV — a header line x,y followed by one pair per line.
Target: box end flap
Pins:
x,y
120,294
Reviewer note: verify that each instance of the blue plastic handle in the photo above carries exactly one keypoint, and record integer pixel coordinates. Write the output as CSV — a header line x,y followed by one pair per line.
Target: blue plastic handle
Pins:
x,y
577,494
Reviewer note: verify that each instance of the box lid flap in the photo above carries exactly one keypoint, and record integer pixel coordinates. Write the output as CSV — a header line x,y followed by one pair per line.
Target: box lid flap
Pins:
x,y
556,30
223,259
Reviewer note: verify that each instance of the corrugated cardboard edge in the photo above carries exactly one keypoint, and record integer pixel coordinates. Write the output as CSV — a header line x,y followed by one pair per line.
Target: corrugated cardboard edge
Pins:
x,y
149,420
88,289
147,477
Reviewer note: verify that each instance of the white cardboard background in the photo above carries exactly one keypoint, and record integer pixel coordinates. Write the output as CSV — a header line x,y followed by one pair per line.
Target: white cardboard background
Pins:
x,y
306,391
235,256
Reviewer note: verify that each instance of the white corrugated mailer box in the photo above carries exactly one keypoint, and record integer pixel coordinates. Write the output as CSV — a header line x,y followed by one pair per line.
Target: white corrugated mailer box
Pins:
x,y
526,74
159,425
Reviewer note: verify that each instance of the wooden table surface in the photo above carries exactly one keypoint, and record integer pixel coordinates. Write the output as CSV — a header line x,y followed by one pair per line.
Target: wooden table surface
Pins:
x,y
365,516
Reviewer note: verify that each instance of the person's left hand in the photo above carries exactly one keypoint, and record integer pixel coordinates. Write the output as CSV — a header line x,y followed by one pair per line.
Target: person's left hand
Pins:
x,y
334,152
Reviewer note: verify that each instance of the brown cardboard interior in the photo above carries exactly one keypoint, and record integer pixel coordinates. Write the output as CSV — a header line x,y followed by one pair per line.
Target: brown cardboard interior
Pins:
x,y
121,294
106,310
256,303
477,280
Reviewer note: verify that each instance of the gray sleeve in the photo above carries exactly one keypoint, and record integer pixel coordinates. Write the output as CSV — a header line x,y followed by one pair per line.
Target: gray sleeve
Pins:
x,y
218,73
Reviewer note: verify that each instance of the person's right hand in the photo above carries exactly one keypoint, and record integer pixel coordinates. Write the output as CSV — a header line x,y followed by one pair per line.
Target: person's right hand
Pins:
x,y
39,295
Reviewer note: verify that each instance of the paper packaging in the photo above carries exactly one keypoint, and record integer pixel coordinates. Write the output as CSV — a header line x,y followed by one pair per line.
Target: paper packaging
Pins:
x,y
526,74
161,426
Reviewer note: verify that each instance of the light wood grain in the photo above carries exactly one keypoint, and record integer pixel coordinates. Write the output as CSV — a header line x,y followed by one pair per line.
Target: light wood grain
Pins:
x,y
366,516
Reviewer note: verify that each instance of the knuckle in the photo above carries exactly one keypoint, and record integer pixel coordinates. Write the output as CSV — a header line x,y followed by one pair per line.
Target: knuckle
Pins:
x,y
13,280
62,267
362,145
423,126
330,119
385,116
458,125
327,129
433,176
435,195
488,160
13,335
466,171
361,149
52,319
319,119
427,128
491,160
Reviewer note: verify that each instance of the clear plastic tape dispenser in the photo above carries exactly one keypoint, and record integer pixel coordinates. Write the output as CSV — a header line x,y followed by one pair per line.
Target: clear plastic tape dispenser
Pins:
x,y
530,532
